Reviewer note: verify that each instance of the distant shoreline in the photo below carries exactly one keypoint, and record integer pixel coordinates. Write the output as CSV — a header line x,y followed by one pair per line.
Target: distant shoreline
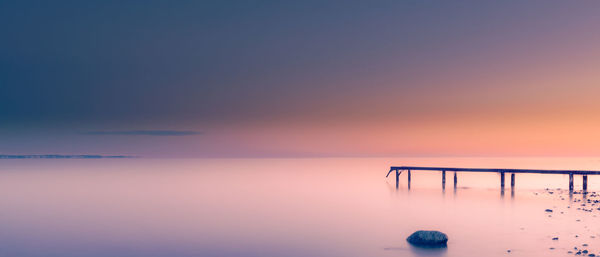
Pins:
x,y
64,156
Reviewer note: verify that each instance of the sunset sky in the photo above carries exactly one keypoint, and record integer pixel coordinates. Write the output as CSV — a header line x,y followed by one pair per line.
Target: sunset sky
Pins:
x,y
300,78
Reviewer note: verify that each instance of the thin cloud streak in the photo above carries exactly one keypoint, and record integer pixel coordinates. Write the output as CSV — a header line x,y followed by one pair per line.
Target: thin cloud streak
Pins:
x,y
144,133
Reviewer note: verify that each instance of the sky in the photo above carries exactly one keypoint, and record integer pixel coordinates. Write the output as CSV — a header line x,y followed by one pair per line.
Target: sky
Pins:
x,y
300,78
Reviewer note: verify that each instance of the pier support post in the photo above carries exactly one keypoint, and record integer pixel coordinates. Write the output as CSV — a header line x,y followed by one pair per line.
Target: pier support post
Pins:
x,y
512,180
502,180
512,185
443,179
570,182
455,180
408,179
397,178
584,182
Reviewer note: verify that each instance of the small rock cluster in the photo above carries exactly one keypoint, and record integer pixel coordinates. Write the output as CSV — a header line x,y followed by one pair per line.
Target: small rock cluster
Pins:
x,y
590,203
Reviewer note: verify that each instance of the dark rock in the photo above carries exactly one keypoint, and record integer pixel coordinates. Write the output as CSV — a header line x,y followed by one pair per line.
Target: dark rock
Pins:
x,y
548,210
426,238
555,238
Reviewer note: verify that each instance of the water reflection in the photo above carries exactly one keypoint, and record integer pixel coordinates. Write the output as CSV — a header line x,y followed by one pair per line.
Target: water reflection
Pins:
x,y
512,192
420,251
429,251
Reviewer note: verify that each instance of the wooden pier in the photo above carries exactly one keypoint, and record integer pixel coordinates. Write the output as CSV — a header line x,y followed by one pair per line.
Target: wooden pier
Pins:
x,y
502,172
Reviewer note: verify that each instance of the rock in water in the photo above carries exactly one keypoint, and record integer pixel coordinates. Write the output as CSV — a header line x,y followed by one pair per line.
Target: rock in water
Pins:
x,y
428,238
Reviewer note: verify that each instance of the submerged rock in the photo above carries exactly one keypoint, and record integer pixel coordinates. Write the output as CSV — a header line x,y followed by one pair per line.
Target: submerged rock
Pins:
x,y
426,238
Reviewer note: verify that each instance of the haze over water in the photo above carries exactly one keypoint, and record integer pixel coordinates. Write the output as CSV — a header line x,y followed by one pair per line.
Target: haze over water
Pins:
x,y
285,207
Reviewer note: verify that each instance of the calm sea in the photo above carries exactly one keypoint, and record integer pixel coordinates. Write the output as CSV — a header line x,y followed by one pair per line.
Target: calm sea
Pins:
x,y
287,207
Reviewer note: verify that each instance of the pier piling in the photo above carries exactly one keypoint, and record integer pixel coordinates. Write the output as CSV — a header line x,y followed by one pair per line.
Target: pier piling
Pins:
x,y
408,179
571,182
502,179
455,180
512,185
443,179
584,182
512,180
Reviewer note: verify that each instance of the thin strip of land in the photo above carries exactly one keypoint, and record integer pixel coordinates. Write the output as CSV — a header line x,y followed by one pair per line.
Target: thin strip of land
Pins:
x,y
63,156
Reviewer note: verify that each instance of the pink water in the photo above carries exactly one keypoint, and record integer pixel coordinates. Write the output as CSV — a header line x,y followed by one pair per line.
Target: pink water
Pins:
x,y
286,207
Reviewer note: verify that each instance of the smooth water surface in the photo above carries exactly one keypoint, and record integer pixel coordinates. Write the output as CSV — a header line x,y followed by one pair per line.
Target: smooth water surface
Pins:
x,y
287,207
